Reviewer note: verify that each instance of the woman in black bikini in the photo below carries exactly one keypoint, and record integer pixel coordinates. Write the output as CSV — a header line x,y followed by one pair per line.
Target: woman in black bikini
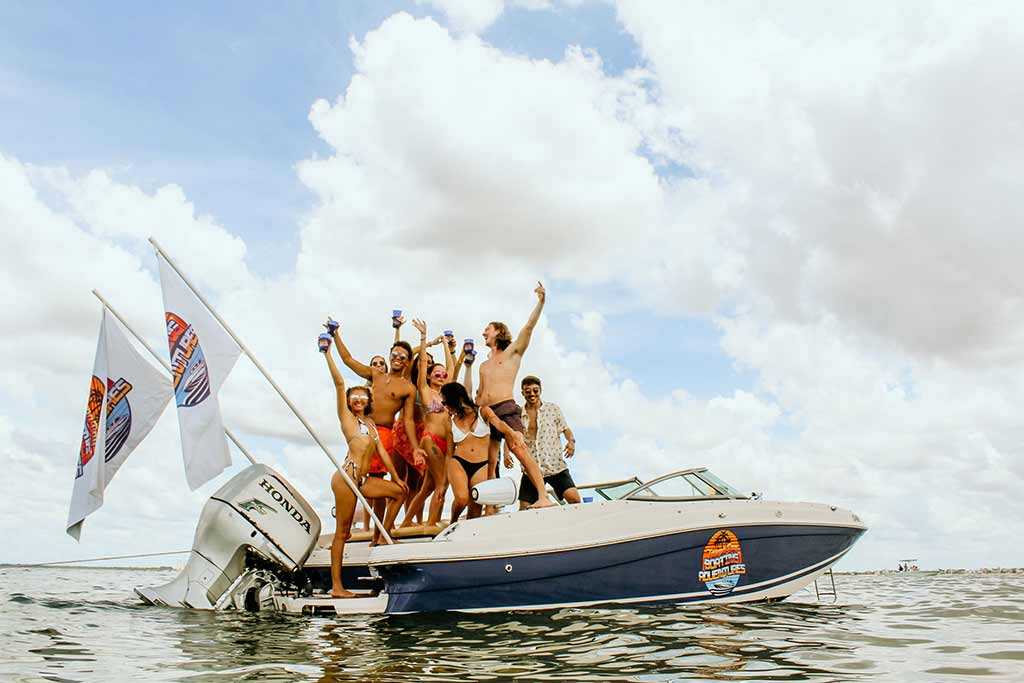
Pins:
x,y
361,436
471,434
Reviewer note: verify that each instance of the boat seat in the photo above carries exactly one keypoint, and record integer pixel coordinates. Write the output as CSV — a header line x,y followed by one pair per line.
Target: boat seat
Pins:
x,y
415,531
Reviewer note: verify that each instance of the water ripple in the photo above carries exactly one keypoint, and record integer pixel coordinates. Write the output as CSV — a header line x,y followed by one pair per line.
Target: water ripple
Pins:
x,y
79,624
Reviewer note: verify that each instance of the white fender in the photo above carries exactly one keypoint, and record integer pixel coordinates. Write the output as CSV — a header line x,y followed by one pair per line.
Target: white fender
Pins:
x,y
501,491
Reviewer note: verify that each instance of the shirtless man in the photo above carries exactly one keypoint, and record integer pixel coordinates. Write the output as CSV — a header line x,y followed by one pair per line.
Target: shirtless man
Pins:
x,y
392,394
497,382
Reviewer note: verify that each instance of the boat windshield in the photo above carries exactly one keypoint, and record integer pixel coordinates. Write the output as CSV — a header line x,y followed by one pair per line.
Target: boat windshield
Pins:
x,y
684,485
609,490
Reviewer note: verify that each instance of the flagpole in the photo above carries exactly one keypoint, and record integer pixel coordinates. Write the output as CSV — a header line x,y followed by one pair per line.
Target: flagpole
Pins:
x,y
280,392
167,367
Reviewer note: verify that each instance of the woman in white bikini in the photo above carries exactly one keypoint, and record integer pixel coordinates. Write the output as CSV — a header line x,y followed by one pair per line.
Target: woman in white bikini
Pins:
x,y
361,435
471,434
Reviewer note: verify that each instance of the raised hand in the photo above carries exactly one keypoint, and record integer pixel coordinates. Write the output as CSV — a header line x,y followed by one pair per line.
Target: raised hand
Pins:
x,y
470,357
397,319
539,291
323,342
421,326
331,325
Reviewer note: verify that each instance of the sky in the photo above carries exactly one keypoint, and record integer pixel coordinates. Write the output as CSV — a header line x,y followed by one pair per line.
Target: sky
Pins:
x,y
780,242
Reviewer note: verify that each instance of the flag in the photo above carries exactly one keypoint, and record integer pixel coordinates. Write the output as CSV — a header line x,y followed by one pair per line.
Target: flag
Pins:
x,y
87,494
202,355
127,394
137,393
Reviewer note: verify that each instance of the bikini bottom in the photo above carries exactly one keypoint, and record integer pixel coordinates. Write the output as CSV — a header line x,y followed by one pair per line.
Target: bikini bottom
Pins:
x,y
470,468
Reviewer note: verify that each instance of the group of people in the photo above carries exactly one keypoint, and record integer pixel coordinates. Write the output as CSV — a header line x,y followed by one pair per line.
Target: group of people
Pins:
x,y
413,430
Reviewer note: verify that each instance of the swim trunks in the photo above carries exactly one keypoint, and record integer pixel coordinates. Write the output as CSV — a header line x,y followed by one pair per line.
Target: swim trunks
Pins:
x,y
509,413
405,449
560,482
387,439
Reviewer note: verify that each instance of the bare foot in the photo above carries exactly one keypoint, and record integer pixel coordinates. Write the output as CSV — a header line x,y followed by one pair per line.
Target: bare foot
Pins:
x,y
337,595
542,503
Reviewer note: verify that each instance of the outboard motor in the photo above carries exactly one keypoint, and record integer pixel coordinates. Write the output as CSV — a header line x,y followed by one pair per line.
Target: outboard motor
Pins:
x,y
501,491
258,510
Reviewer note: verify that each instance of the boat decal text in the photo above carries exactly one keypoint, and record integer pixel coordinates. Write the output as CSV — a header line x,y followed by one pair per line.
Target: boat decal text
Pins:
x,y
285,504
722,563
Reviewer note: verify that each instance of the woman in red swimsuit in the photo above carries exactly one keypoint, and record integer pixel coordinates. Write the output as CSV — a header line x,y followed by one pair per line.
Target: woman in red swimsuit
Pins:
x,y
434,433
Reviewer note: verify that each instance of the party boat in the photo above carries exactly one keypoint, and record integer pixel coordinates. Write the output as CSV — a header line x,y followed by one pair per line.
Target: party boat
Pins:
x,y
686,537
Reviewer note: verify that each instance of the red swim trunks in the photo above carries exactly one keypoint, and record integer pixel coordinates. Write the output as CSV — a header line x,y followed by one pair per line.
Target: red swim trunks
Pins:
x,y
405,449
387,439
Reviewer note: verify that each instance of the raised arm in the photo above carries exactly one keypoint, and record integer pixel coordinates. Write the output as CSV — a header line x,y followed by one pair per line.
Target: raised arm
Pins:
x,y
421,366
397,324
449,363
523,340
467,381
364,371
349,424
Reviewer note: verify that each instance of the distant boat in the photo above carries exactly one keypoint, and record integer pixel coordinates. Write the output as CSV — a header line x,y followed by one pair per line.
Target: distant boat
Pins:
x,y
908,565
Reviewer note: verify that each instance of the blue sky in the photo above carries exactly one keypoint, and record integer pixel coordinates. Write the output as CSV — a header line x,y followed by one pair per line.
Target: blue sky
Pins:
x,y
216,100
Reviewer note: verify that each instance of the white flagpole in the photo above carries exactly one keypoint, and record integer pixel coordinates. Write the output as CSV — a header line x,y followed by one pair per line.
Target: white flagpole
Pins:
x,y
259,366
167,366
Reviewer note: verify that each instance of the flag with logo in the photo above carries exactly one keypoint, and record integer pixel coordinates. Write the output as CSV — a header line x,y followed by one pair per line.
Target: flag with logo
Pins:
x,y
127,394
202,355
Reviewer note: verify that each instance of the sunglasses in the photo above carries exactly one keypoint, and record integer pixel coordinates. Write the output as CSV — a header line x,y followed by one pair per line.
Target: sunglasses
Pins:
x,y
399,356
364,399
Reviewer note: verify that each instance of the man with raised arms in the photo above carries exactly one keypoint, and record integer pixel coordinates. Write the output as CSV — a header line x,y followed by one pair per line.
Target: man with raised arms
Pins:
x,y
497,383
392,394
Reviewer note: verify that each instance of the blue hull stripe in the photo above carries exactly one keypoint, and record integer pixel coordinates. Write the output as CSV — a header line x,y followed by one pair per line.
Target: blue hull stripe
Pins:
x,y
659,566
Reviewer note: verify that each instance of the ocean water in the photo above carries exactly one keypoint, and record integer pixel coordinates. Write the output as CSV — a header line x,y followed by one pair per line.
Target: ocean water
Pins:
x,y
85,625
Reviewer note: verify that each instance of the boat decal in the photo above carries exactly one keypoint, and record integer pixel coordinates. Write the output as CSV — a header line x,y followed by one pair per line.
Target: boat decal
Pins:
x,y
188,363
97,391
285,504
722,563
119,416
257,505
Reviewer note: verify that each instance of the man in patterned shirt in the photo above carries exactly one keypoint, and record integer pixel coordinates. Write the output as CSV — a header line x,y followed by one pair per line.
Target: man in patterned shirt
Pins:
x,y
544,429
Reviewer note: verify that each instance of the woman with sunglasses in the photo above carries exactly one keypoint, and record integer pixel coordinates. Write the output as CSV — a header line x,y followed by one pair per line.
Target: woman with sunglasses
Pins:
x,y
363,444
433,428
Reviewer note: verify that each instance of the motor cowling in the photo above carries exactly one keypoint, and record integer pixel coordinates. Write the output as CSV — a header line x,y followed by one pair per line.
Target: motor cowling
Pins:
x,y
258,510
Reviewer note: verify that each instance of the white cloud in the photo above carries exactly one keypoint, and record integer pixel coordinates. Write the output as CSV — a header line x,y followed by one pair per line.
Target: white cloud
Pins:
x,y
853,228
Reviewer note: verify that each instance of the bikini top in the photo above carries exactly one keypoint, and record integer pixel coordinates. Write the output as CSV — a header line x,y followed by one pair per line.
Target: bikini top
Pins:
x,y
364,429
480,429
435,406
